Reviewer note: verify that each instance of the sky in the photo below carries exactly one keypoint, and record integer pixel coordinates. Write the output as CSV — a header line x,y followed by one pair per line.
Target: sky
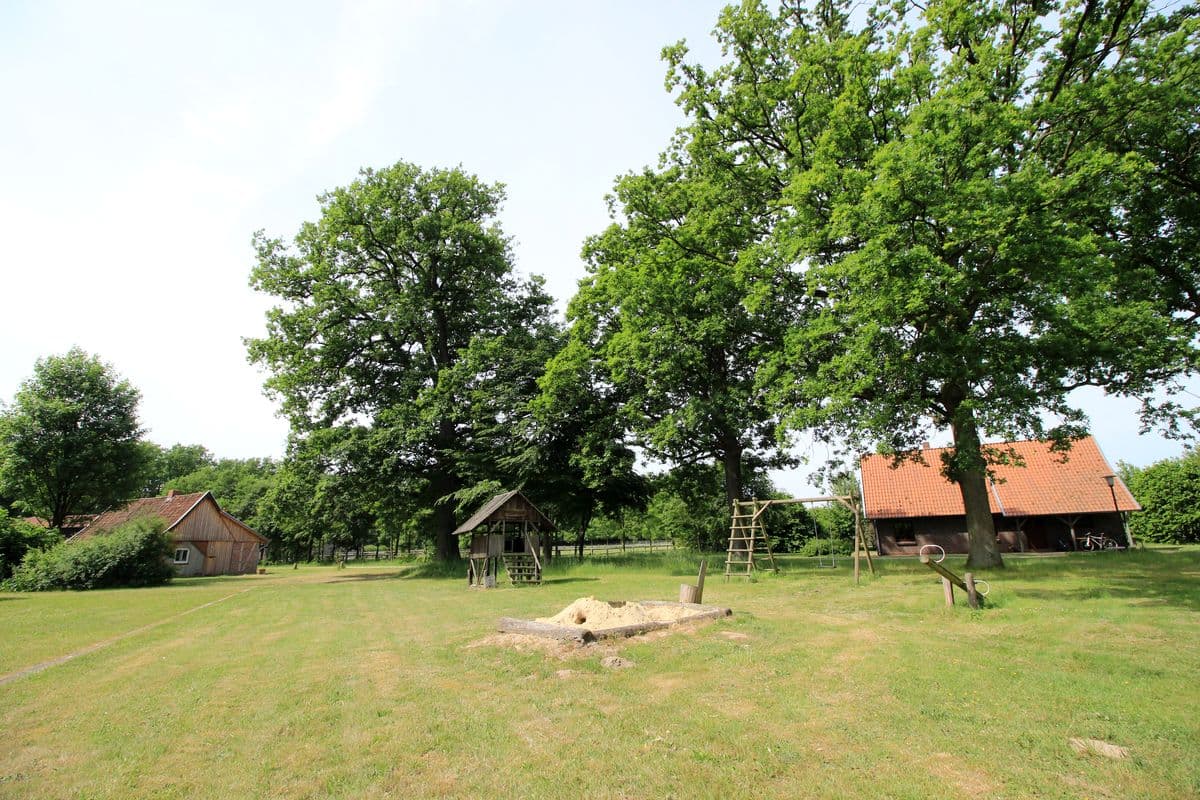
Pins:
x,y
143,144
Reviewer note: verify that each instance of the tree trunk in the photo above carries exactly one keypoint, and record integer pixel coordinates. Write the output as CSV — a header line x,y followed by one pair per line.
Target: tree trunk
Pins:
x,y
969,470
731,459
584,523
444,482
445,542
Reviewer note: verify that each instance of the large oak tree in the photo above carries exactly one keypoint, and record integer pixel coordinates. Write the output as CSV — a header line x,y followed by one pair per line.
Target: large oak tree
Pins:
x,y
995,198
382,297
664,311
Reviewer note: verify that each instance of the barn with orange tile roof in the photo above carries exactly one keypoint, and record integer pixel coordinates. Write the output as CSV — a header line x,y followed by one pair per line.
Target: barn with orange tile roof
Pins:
x,y
208,541
1043,501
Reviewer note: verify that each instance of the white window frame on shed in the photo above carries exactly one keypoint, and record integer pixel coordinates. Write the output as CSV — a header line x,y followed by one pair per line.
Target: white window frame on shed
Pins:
x,y
186,552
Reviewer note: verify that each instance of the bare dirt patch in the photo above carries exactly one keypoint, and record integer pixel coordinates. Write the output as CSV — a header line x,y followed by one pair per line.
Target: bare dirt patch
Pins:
x,y
616,662
968,780
1098,747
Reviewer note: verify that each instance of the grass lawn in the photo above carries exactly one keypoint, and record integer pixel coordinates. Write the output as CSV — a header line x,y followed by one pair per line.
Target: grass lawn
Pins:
x,y
384,681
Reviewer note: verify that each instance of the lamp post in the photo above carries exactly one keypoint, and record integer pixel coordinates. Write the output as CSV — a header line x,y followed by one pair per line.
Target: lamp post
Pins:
x,y
1111,480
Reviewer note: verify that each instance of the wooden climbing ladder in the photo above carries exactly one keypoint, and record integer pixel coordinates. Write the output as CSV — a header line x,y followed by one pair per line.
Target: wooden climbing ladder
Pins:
x,y
748,534
748,540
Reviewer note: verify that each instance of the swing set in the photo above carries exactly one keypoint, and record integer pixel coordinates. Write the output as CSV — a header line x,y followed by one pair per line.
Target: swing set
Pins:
x,y
749,546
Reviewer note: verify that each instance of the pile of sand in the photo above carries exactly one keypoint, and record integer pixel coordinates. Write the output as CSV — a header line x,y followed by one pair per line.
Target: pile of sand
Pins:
x,y
593,614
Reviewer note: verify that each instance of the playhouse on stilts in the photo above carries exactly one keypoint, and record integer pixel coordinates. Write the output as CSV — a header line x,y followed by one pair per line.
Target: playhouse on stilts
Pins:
x,y
510,531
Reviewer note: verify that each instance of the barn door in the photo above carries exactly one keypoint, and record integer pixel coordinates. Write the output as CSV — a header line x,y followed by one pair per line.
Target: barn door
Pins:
x,y
219,555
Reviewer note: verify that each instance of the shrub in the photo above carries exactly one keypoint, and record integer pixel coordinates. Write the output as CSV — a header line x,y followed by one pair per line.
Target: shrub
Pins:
x,y
821,547
134,554
18,537
1169,492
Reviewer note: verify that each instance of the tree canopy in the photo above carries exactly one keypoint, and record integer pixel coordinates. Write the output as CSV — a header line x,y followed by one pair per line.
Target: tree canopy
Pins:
x,y
383,298
664,310
165,464
69,444
238,484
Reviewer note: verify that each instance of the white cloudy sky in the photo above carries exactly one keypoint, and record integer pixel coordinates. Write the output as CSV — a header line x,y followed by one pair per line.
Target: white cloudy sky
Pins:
x,y
142,143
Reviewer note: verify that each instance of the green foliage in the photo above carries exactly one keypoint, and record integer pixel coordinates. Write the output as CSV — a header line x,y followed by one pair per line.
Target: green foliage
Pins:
x,y
688,507
400,321
582,463
324,493
1169,492
135,554
70,442
17,537
165,464
823,546
663,314
239,486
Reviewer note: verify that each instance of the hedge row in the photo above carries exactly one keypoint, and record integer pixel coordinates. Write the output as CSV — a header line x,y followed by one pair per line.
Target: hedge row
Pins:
x,y
135,554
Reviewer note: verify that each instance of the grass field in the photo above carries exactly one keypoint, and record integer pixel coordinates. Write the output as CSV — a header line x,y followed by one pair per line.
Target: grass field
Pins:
x,y
386,681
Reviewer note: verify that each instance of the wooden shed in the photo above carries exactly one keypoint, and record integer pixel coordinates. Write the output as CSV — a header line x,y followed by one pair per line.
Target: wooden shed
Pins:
x,y
208,541
508,529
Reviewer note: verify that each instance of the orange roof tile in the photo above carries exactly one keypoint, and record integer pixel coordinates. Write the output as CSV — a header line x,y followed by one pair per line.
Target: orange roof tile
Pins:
x,y
1045,485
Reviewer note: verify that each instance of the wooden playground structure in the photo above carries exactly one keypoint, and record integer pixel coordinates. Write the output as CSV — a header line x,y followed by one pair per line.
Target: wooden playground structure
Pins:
x,y
967,583
749,544
507,531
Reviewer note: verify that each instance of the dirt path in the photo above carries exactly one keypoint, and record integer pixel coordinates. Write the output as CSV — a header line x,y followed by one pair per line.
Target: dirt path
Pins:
x,y
91,648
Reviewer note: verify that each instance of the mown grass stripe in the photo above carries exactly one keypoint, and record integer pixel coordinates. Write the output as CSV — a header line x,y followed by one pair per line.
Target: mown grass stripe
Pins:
x,y
91,648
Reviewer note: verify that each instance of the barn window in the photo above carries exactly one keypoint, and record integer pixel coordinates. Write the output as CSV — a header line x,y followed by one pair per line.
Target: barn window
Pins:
x,y
905,533
181,555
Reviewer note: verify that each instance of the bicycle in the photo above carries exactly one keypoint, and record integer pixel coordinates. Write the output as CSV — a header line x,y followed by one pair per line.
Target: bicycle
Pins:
x,y
1096,541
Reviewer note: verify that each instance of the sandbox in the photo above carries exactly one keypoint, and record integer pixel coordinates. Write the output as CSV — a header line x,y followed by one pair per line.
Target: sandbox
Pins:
x,y
588,619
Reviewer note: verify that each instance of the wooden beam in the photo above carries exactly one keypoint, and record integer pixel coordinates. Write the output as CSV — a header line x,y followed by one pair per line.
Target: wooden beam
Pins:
x,y
530,628
972,595
831,498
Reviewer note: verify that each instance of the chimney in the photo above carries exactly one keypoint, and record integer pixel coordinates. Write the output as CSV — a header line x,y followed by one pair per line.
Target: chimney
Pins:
x,y
171,492
925,446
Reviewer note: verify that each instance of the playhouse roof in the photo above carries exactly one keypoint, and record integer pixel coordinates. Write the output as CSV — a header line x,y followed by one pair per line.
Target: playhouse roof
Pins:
x,y
1049,483
511,506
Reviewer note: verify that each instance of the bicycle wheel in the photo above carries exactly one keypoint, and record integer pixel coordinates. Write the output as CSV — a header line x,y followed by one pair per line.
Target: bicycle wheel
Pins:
x,y
1109,544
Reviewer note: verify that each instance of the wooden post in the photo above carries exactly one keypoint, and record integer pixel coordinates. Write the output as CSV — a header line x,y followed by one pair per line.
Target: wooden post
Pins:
x,y
856,545
860,529
948,590
972,595
693,594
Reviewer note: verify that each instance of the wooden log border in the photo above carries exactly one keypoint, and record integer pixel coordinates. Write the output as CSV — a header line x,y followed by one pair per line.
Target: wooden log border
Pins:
x,y
530,627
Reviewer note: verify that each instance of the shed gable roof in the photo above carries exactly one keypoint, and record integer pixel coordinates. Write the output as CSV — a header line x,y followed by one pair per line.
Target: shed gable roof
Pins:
x,y
230,519
1045,485
495,505
171,509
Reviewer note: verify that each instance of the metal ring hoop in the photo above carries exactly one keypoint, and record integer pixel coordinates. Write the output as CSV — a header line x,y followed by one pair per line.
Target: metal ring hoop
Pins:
x,y
939,547
982,593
